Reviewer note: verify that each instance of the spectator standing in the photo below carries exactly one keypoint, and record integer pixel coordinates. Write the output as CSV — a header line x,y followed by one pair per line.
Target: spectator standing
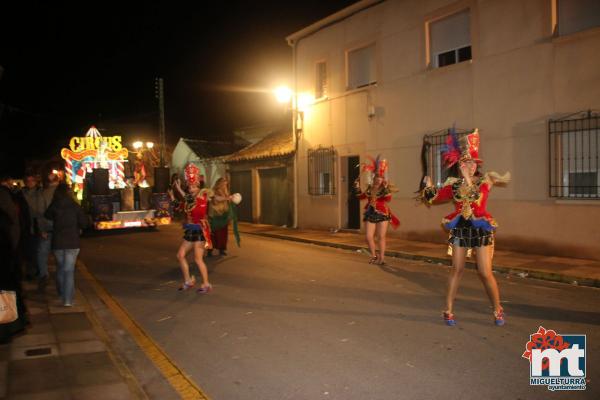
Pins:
x,y
68,221
46,228
33,196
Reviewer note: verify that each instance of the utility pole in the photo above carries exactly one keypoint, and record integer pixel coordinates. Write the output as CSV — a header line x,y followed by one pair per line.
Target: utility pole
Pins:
x,y
159,93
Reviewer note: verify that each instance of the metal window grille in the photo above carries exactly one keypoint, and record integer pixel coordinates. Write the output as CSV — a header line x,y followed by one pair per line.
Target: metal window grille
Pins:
x,y
435,161
321,171
574,151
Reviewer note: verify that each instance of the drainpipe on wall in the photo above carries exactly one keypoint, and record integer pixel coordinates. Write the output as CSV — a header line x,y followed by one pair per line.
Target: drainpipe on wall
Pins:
x,y
294,132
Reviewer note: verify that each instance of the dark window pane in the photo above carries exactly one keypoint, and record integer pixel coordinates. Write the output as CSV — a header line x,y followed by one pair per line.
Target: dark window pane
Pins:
x,y
447,58
325,183
583,183
464,53
577,15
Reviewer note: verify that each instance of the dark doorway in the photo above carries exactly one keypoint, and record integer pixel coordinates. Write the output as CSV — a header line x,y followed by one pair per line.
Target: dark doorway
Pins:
x,y
274,198
241,182
353,202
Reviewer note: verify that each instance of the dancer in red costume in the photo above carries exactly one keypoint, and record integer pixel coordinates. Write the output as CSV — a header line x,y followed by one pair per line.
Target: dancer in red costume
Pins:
x,y
377,212
196,229
470,225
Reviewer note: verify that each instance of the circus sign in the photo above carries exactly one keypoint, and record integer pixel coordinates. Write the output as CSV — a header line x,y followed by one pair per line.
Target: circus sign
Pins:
x,y
95,151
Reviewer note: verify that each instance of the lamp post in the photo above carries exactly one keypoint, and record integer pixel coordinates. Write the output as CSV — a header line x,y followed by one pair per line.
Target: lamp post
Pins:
x,y
298,105
160,95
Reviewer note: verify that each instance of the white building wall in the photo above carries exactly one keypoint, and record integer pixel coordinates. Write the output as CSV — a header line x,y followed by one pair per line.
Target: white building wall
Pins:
x,y
519,78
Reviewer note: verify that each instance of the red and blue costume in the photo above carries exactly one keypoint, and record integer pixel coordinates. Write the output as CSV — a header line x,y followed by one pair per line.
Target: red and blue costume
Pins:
x,y
377,209
196,228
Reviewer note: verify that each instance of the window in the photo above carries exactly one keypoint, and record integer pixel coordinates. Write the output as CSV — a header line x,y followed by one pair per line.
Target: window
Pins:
x,y
450,40
361,67
321,171
321,80
577,15
574,157
435,156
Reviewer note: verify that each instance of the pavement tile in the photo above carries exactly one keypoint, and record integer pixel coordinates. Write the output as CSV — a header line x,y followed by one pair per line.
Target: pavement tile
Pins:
x,y
76,335
90,369
115,391
25,353
3,379
43,318
90,346
45,327
71,321
34,339
61,394
35,375
66,310
4,352
29,286
570,261
36,310
546,266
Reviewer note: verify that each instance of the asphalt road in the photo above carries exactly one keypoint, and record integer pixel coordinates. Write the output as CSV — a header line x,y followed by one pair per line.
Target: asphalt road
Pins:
x,y
295,321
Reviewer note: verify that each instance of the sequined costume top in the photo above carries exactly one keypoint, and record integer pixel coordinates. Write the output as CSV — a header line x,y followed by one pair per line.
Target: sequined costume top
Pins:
x,y
469,202
379,202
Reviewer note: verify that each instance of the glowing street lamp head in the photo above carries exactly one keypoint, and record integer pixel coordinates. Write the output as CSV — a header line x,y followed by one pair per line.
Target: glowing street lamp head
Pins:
x,y
138,145
283,94
149,145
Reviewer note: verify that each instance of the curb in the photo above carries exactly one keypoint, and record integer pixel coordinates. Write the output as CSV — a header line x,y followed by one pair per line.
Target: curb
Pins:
x,y
520,272
176,377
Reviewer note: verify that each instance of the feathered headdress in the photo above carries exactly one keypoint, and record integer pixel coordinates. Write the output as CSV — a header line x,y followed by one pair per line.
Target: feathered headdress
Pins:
x,y
192,174
461,148
376,167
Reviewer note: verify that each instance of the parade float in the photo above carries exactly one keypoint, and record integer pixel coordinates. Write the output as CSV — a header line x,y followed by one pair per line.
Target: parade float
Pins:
x,y
97,169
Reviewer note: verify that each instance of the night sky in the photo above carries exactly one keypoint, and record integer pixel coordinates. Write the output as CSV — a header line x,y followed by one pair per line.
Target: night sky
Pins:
x,y
69,67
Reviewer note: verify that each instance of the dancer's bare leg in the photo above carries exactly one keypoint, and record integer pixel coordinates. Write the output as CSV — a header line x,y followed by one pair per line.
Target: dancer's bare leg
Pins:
x,y
484,268
183,264
381,232
458,268
370,235
199,259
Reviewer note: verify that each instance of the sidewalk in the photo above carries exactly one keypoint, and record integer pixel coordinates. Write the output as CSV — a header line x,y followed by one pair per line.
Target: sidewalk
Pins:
x,y
62,355
559,269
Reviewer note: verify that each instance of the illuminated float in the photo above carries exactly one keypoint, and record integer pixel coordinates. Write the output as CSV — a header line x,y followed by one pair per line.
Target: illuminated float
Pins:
x,y
95,169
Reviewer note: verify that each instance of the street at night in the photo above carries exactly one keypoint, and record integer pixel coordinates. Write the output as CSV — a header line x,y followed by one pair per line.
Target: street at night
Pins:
x,y
341,199
297,321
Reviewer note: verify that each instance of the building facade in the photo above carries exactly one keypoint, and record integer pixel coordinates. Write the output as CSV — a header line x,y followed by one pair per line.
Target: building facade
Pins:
x,y
382,76
208,156
263,174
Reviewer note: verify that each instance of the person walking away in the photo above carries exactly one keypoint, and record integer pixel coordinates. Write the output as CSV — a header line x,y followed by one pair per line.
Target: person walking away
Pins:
x,y
68,221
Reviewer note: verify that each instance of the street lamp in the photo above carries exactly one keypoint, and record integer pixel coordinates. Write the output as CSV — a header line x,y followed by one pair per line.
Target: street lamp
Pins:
x,y
283,94
138,145
149,145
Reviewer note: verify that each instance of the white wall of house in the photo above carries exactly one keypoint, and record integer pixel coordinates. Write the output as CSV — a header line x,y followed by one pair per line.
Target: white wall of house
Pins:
x,y
521,75
212,169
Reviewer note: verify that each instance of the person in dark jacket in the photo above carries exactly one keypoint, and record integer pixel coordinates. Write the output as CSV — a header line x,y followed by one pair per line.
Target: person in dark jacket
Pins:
x,y
68,220
10,277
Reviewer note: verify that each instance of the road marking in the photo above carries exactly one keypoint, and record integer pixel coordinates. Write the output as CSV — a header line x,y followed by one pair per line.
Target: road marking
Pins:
x,y
187,389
